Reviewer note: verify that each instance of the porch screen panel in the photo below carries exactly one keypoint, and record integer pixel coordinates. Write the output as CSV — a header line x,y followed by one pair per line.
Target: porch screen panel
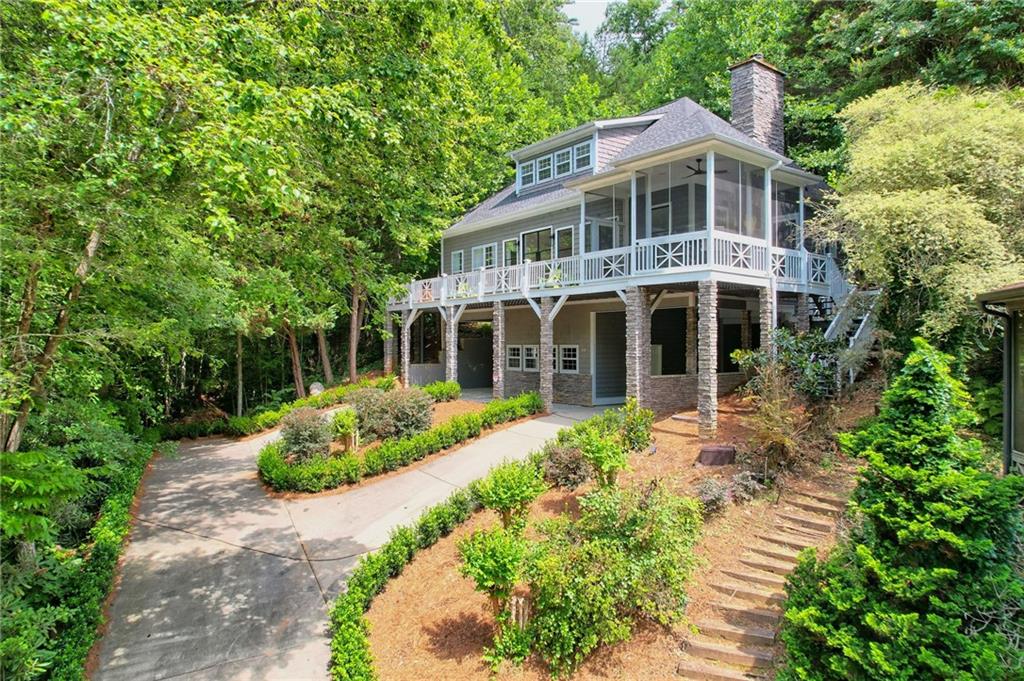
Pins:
x,y
786,215
739,197
1017,401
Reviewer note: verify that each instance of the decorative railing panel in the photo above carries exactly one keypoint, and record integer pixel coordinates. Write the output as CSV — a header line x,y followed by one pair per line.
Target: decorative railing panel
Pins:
x,y
675,252
787,265
740,252
604,265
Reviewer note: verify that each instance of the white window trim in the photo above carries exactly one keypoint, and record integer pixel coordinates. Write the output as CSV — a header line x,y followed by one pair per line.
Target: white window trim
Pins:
x,y
590,155
508,358
561,359
520,172
504,252
554,243
550,158
535,351
483,249
522,243
462,262
554,161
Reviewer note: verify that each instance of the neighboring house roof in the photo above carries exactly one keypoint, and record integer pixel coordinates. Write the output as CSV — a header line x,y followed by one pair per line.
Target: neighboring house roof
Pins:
x,y
674,124
1006,294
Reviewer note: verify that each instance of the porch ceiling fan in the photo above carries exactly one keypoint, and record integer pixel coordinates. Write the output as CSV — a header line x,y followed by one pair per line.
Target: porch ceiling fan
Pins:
x,y
700,170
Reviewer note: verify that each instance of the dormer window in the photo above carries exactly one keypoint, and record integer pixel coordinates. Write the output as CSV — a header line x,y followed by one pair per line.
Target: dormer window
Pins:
x,y
544,169
526,174
563,162
581,153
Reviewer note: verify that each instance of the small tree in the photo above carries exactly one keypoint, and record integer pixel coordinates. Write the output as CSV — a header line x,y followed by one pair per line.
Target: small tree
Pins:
x,y
494,560
509,489
306,434
636,425
935,546
605,455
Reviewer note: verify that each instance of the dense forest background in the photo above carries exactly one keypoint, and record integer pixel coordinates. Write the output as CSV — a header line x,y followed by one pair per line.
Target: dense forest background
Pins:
x,y
205,205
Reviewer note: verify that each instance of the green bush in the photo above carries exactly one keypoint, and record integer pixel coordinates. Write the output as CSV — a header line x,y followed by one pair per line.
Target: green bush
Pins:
x,y
636,425
509,490
306,434
241,425
312,475
502,411
344,425
392,414
443,391
494,560
924,587
714,495
32,485
605,455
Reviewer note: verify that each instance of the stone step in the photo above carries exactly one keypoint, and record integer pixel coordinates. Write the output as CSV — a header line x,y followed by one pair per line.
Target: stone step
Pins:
x,y
819,524
750,593
756,635
692,669
743,613
776,553
789,540
767,564
814,506
757,577
837,502
799,530
741,655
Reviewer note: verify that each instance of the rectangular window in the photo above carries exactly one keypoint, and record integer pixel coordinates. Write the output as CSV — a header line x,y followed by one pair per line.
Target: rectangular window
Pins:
x,y
563,162
484,256
544,169
581,152
554,359
526,174
514,357
537,245
668,334
457,262
563,242
530,354
568,359
510,247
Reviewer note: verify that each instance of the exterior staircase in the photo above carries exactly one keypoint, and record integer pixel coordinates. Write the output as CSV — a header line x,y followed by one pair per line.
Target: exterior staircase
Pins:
x,y
737,641
854,323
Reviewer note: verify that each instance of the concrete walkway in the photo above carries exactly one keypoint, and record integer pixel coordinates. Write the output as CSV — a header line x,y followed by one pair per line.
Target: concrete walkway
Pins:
x,y
221,581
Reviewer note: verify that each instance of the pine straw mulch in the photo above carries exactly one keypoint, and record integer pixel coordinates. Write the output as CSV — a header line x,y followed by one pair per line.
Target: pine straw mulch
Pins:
x,y
429,623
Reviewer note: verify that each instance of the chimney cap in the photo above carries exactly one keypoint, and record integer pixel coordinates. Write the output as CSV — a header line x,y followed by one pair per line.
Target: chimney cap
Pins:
x,y
758,58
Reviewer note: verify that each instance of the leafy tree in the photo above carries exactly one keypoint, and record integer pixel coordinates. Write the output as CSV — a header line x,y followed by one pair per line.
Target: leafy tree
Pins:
x,y
924,588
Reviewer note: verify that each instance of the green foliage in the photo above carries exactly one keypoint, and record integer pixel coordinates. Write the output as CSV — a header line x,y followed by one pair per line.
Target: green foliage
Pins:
x,y
713,494
393,414
509,490
988,403
636,425
32,485
925,586
443,391
344,425
311,475
605,455
502,411
494,560
305,434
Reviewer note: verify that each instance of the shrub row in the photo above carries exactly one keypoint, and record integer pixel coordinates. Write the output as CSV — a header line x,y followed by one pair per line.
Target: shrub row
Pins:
x,y
247,425
350,648
322,473
443,391
85,601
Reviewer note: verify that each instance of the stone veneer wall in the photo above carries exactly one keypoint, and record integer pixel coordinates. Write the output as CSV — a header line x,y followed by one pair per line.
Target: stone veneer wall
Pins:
x,y
677,393
568,388
707,358
498,350
757,97
767,318
803,313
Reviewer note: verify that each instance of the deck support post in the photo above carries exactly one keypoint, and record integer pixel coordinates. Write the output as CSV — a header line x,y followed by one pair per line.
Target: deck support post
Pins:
x,y
638,343
707,360
803,313
389,342
408,317
498,350
451,342
767,315
545,350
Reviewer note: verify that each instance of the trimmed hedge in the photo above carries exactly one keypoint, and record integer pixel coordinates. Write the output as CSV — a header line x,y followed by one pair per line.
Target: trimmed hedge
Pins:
x,y
323,473
85,602
443,391
247,425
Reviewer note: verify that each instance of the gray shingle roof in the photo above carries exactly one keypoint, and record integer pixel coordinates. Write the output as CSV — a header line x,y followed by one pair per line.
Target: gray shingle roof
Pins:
x,y
506,202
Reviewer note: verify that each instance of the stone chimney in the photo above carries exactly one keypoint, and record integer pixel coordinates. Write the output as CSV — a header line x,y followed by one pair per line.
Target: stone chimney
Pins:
x,y
757,101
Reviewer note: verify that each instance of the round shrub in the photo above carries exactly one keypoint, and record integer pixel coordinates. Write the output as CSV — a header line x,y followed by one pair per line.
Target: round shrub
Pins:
x,y
344,427
393,414
494,560
509,489
305,434
443,391
713,494
564,466
605,455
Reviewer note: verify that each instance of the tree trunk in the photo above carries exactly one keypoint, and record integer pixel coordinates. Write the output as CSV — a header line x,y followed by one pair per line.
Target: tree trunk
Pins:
x,y
325,358
353,334
293,351
240,388
44,360
19,355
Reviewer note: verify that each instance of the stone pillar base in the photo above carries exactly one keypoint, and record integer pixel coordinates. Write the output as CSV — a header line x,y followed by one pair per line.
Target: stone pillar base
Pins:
x,y
498,350
451,347
707,362
404,372
546,349
389,343
803,313
638,343
767,316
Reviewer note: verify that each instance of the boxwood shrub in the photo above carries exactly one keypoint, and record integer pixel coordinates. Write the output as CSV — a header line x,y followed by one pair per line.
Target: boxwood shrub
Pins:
x,y
443,391
322,473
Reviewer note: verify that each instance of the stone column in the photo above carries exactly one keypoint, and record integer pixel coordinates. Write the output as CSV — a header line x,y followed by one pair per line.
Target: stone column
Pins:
x,y
451,347
691,340
498,350
547,337
638,343
767,316
803,313
389,343
707,371
404,373
745,329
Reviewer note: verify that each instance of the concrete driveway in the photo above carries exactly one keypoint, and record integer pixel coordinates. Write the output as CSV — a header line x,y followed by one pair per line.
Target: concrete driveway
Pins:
x,y
221,581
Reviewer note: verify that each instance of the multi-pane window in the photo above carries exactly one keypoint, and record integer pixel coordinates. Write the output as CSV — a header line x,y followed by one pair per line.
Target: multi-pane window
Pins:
x,y
526,174
484,256
514,357
457,262
510,248
537,245
581,152
563,242
563,162
544,169
531,353
568,359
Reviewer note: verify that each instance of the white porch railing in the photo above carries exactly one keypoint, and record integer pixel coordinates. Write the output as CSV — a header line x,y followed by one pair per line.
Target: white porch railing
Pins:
x,y
668,254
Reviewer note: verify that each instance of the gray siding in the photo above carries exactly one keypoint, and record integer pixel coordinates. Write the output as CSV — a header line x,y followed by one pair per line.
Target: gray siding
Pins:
x,y
511,230
613,140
